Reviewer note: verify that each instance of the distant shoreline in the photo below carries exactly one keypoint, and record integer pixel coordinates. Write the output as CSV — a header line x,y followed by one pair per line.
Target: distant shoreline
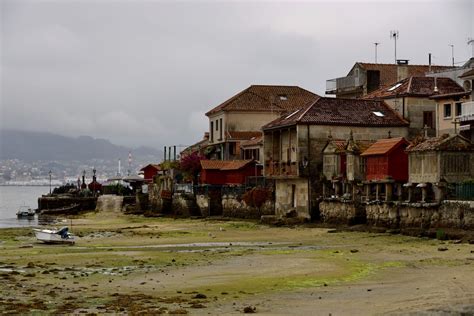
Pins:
x,y
26,185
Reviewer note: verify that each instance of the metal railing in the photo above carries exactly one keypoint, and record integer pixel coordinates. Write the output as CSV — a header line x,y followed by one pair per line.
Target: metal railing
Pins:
x,y
342,83
461,191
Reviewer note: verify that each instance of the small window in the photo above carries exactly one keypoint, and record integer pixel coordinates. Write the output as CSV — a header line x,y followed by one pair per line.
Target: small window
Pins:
x,y
379,114
283,97
217,125
447,110
458,109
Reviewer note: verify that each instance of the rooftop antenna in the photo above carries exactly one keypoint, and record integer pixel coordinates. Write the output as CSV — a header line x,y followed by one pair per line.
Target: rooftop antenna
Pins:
x,y
452,53
376,44
129,162
470,41
394,36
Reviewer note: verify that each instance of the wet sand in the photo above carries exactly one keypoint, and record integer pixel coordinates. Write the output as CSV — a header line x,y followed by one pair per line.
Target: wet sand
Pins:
x,y
134,265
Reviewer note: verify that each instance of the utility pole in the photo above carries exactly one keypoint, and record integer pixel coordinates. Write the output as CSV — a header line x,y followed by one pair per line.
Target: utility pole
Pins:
x,y
376,44
394,36
50,182
452,53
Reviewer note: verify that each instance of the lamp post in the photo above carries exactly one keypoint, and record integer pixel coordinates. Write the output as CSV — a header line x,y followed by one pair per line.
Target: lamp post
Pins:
x,y
50,182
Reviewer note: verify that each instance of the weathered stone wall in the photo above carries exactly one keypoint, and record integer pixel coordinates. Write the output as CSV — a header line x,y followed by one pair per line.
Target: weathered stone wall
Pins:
x,y
284,202
234,206
52,202
155,200
203,202
109,203
447,215
338,212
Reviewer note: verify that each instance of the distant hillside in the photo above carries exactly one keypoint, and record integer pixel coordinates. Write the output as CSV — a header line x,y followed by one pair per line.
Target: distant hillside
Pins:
x,y
32,146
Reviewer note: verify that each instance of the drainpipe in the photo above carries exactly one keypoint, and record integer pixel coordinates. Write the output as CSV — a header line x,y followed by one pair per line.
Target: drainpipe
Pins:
x,y
309,169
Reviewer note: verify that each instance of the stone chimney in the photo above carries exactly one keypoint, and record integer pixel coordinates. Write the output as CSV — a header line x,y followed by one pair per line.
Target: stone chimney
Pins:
x,y
402,69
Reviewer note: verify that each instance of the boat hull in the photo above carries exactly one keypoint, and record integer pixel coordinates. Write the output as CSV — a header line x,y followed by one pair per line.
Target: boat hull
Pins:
x,y
51,237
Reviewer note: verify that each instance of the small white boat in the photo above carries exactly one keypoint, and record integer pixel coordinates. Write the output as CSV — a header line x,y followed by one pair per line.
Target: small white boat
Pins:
x,y
52,236
25,212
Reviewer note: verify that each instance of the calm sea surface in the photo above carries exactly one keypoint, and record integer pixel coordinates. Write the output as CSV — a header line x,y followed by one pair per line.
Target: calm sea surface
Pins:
x,y
12,197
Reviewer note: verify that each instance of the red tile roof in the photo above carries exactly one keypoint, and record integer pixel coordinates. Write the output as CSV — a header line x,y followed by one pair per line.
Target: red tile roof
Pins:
x,y
266,98
242,135
416,87
342,112
155,166
384,146
389,72
254,141
444,143
224,164
469,73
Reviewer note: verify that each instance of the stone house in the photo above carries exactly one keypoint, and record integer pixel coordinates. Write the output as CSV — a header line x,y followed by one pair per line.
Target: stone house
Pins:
x,y
363,78
241,117
440,160
293,145
411,98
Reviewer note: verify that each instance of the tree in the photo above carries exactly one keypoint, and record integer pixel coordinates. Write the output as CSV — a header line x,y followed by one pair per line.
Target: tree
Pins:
x,y
191,165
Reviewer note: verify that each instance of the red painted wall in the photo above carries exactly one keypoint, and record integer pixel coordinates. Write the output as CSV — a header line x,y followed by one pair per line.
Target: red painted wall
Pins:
x,y
394,165
149,172
220,177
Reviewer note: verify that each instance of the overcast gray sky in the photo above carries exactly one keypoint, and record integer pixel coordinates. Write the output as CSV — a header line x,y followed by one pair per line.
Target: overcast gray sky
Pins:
x,y
145,72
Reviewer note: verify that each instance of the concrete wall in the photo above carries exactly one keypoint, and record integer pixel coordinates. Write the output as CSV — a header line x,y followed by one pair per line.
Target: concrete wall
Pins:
x,y
413,111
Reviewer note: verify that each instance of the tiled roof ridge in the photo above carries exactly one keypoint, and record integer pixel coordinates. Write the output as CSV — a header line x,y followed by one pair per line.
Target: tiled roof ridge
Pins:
x,y
409,65
310,105
228,101
409,84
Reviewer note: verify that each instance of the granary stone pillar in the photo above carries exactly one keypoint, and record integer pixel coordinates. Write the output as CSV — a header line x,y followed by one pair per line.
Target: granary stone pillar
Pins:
x,y
336,188
377,189
424,191
324,189
410,192
399,192
388,191
367,191
439,191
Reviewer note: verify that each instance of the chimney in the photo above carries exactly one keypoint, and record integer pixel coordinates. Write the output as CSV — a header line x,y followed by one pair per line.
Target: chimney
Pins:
x,y
402,69
429,61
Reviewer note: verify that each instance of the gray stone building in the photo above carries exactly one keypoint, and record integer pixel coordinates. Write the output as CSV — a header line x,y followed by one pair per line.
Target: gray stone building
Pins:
x,y
293,145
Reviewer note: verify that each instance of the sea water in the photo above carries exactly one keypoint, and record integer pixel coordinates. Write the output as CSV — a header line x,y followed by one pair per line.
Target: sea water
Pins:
x,y
12,197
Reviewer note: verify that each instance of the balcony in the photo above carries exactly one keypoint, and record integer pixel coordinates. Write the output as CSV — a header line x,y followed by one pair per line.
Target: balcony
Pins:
x,y
467,112
343,84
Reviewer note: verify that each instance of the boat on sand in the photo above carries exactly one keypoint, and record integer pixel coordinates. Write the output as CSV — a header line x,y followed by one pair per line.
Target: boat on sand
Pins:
x,y
55,236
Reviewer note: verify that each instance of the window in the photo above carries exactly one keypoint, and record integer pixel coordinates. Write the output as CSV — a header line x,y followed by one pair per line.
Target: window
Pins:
x,y
428,119
394,87
458,108
379,114
220,135
217,125
212,131
447,110
283,97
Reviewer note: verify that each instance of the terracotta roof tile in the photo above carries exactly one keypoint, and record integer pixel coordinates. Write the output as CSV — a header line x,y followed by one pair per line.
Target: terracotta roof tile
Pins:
x,y
224,164
254,141
384,146
389,72
266,98
416,86
444,143
469,73
242,135
342,112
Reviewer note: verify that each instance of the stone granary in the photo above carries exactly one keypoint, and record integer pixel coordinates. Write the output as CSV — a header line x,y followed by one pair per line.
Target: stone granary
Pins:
x,y
343,166
437,161
386,164
293,145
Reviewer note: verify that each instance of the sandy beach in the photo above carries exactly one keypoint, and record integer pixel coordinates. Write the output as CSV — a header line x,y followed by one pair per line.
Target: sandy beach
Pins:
x,y
134,265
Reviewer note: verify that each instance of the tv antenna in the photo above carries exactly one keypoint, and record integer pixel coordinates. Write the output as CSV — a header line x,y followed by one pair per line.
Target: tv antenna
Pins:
x,y
452,53
376,44
394,36
470,41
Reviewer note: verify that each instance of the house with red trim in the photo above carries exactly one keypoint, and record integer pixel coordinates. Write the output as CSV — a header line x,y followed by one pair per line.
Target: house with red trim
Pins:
x,y
228,172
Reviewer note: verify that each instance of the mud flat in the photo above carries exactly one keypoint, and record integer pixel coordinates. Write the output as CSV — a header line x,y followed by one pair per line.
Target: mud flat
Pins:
x,y
134,265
